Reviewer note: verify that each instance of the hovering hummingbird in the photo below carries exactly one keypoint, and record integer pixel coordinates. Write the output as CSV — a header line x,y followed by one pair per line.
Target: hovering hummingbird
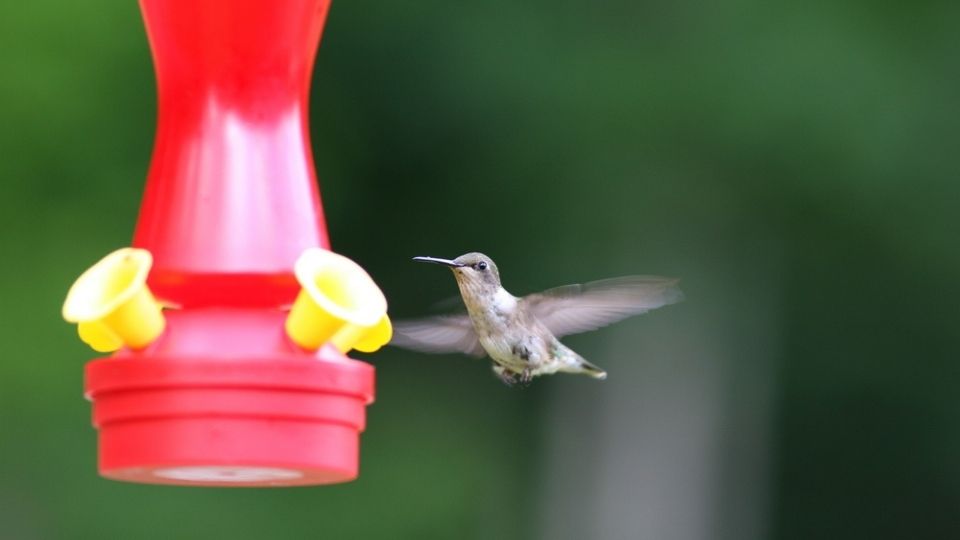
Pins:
x,y
520,334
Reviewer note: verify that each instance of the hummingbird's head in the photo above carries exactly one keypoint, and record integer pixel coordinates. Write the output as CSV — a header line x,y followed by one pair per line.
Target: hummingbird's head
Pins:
x,y
475,272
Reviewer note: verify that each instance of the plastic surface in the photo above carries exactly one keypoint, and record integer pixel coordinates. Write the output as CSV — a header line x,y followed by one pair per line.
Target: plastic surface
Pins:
x,y
231,199
339,303
224,396
112,304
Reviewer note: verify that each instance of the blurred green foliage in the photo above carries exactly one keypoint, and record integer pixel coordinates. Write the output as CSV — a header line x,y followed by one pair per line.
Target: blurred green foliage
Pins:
x,y
808,147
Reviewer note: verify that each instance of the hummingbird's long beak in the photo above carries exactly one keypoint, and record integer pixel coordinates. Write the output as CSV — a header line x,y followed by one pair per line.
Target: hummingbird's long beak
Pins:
x,y
434,260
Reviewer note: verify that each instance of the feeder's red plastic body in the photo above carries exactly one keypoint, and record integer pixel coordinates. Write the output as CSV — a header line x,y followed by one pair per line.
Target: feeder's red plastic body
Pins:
x,y
231,198
224,397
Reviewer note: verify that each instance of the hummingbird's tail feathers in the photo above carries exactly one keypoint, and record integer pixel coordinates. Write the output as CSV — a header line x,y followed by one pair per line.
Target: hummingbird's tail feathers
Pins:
x,y
571,362
581,367
593,371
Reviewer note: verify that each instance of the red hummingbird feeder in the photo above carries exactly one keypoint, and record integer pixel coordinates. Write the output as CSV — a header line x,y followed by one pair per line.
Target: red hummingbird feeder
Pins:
x,y
215,380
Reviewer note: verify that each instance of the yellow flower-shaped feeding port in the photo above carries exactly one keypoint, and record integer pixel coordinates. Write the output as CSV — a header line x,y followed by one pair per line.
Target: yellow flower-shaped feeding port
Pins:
x,y
112,305
338,303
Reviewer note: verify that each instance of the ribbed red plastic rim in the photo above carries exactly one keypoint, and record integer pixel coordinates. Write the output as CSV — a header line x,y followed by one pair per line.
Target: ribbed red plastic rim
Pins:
x,y
256,422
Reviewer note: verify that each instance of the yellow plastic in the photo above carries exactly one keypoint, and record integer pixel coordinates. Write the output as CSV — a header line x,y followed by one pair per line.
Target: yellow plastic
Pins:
x,y
98,335
364,339
339,303
112,304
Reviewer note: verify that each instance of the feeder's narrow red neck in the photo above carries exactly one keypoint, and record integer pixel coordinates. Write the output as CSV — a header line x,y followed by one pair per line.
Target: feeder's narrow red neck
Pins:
x,y
231,198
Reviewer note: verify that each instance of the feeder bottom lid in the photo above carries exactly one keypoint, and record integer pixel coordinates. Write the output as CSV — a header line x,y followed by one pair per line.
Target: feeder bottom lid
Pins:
x,y
227,474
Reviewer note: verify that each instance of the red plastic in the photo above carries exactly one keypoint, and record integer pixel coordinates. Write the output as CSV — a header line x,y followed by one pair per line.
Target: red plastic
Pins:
x,y
231,198
224,397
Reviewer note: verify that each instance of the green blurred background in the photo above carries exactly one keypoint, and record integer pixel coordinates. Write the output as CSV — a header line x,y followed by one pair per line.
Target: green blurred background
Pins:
x,y
795,164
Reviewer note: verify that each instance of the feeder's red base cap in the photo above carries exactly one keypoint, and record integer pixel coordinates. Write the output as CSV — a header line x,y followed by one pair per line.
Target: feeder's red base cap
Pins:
x,y
269,422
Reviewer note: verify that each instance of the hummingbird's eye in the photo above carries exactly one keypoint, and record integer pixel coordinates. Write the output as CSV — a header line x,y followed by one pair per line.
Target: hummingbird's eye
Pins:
x,y
482,265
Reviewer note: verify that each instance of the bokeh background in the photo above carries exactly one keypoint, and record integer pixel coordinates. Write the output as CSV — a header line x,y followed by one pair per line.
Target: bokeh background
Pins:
x,y
796,165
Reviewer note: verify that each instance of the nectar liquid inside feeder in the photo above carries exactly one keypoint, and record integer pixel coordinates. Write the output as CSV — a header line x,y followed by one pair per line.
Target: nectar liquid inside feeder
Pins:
x,y
226,387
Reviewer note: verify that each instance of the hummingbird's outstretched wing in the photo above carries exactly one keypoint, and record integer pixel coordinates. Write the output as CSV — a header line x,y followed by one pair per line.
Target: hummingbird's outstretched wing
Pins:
x,y
578,308
441,334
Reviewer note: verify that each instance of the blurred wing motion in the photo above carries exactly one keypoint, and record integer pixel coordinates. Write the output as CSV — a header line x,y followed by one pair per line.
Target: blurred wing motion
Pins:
x,y
578,308
442,334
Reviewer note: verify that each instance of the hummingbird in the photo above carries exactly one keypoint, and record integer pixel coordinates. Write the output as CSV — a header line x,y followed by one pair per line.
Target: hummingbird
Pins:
x,y
521,334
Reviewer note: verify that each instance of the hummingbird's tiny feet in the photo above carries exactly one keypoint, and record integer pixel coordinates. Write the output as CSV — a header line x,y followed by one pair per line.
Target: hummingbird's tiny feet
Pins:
x,y
506,376
526,377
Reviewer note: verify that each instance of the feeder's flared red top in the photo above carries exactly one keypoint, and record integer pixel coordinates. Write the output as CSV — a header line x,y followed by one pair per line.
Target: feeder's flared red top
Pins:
x,y
231,198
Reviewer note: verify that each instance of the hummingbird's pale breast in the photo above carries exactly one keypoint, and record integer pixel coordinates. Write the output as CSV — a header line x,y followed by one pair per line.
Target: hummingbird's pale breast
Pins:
x,y
496,320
